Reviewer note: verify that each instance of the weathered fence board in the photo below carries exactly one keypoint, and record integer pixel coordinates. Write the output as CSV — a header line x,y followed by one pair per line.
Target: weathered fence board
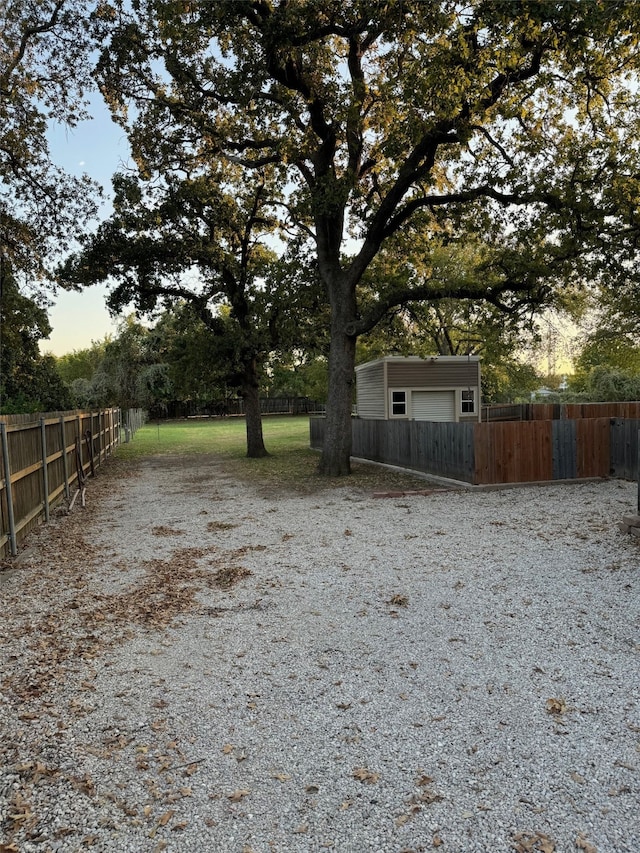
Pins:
x,y
443,449
563,436
624,448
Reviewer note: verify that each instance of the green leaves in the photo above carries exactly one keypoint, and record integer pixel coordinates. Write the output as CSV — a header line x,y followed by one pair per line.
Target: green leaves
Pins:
x,y
43,78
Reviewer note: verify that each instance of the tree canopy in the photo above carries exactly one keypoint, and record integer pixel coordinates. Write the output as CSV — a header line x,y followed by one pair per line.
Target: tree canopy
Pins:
x,y
515,120
44,74
197,244
29,381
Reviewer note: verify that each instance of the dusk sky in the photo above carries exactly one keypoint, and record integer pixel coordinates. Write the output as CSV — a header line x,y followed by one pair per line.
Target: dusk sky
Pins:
x,y
97,148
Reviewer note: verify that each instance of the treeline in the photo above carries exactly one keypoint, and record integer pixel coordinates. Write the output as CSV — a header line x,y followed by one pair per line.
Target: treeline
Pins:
x,y
176,367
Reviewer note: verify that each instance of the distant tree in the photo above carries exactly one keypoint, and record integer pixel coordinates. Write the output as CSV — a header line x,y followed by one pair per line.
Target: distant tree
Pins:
x,y
609,384
81,364
613,348
121,378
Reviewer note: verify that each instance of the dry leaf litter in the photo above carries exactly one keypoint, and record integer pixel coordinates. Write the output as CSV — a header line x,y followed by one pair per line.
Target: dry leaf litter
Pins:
x,y
189,665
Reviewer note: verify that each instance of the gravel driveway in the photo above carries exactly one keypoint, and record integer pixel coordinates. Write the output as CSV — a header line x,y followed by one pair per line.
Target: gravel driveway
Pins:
x,y
193,665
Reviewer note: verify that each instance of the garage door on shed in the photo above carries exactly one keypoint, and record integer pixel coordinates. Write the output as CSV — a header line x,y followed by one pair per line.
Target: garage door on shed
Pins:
x,y
433,405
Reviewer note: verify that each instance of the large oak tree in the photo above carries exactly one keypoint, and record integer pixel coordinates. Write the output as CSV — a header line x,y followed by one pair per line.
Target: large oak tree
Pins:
x,y
517,120
194,241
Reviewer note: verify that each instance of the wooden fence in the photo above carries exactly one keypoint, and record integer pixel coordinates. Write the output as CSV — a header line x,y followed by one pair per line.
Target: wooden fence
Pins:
x,y
494,453
558,411
234,406
42,458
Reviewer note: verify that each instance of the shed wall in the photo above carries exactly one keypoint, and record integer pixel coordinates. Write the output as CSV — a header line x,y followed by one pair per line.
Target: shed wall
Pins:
x,y
371,391
433,374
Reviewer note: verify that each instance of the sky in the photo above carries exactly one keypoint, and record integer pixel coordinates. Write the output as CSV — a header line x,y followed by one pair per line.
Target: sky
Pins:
x,y
96,148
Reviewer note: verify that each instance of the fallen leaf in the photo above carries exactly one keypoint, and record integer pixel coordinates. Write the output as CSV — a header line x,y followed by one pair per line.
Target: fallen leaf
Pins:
x,y
424,780
343,705
533,842
282,777
437,841
557,707
166,817
178,826
399,600
228,748
583,844
238,795
364,775
312,789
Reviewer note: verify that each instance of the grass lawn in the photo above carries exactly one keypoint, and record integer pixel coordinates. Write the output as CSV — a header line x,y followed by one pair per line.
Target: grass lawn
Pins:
x,y
291,464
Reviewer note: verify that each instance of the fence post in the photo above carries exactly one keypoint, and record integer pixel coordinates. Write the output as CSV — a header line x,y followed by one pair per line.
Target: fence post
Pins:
x,y
7,484
79,438
45,467
65,467
99,437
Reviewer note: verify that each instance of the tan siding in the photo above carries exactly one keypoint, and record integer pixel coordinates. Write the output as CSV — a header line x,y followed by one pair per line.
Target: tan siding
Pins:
x,y
370,391
433,374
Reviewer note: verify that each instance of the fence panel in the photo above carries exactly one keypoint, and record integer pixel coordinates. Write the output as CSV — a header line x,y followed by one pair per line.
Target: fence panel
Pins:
x,y
366,438
564,440
624,448
593,447
603,410
444,449
559,411
395,444
39,463
513,452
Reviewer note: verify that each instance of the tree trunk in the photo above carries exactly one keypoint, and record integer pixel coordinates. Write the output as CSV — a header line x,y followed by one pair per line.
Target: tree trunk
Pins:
x,y
335,460
253,415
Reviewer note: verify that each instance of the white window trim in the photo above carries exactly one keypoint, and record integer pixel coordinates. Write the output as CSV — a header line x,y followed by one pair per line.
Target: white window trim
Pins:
x,y
474,400
404,391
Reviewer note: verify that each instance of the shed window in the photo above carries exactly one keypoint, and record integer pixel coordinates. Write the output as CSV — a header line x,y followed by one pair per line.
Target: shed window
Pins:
x,y
468,402
398,404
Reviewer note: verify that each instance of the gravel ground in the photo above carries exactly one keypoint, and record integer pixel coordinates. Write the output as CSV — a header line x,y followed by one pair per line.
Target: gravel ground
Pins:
x,y
193,665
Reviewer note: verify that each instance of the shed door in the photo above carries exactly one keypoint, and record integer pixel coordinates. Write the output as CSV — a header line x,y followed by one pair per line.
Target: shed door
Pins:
x,y
433,405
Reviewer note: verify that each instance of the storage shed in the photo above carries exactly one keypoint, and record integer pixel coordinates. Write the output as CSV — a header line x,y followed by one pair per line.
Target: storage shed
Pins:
x,y
437,388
